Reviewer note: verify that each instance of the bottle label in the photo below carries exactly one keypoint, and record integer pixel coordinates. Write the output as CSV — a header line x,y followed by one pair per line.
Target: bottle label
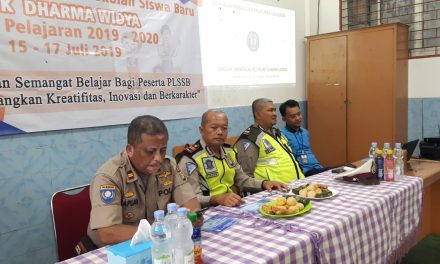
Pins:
x,y
187,257
197,251
380,169
196,233
389,169
163,259
397,171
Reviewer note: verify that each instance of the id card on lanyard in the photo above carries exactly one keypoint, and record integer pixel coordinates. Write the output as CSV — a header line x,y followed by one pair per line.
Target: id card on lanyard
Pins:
x,y
304,158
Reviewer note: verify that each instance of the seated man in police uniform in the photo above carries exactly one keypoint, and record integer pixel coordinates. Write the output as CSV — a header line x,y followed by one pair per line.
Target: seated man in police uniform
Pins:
x,y
263,151
135,183
299,139
211,166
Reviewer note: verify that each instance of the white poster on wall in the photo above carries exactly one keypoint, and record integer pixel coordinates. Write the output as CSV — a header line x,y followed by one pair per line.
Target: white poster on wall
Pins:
x,y
71,64
246,43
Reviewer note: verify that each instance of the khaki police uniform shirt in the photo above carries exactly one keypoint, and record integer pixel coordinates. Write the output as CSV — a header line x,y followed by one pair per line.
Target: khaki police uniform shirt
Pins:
x,y
190,169
119,196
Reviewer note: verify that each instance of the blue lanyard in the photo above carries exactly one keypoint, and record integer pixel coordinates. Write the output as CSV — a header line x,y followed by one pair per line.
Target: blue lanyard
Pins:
x,y
301,144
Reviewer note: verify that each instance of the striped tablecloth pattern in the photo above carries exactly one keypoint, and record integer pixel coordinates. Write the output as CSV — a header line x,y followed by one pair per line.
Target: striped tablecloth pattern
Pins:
x,y
361,224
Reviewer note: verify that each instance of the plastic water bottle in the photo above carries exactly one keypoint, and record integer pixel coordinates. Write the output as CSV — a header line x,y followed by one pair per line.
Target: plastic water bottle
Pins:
x,y
372,151
379,165
160,233
197,223
171,217
183,244
399,166
389,166
386,147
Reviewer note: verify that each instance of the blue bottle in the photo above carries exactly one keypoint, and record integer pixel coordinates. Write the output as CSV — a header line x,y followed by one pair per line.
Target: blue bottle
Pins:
x,y
380,173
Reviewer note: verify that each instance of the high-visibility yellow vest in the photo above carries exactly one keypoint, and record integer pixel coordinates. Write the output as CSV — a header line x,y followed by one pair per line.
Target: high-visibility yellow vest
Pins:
x,y
218,173
276,161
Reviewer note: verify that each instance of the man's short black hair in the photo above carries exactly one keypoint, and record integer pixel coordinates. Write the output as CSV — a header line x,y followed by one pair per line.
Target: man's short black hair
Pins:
x,y
146,124
288,103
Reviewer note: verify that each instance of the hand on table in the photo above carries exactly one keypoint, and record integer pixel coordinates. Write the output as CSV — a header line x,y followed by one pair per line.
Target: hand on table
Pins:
x,y
228,199
271,185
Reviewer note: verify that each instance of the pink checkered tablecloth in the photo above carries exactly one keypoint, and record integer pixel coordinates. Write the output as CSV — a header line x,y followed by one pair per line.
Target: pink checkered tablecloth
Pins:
x,y
361,224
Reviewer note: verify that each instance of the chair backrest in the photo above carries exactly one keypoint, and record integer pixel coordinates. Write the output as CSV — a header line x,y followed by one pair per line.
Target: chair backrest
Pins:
x,y
177,149
70,217
231,141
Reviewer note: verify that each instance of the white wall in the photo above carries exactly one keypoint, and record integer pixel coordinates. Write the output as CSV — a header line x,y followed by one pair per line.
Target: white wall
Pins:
x,y
328,17
424,78
423,74
228,96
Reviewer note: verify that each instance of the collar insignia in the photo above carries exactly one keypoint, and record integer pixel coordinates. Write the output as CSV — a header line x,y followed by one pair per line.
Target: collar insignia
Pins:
x,y
130,175
164,174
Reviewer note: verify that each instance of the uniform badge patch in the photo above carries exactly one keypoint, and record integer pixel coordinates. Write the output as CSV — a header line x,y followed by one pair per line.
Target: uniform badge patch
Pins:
x,y
190,167
210,167
107,193
269,148
246,145
130,175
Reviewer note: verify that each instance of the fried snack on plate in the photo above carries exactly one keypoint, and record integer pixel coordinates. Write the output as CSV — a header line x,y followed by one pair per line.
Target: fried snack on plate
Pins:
x,y
267,209
303,192
281,201
283,206
311,194
291,200
311,187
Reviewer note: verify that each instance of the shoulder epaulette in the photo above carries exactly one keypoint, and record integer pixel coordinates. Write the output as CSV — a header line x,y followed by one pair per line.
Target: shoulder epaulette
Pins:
x,y
189,151
251,134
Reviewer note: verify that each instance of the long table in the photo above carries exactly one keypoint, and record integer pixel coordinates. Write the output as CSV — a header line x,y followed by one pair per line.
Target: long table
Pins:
x,y
362,224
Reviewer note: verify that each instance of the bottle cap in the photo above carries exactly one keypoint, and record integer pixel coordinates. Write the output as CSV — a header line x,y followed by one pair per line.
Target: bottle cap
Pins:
x,y
398,145
182,211
374,144
192,216
386,145
159,214
379,151
171,207
389,151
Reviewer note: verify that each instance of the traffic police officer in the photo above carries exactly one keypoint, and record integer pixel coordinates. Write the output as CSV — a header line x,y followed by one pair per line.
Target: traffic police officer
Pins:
x,y
212,168
263,151
132,185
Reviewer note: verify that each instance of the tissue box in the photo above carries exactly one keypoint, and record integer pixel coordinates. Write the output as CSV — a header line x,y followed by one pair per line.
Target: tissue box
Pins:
x,y
122,253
